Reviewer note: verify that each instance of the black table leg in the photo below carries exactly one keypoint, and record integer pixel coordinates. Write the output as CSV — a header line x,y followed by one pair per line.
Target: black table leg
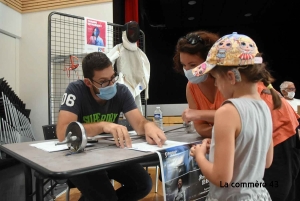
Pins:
x,y
39,186
28,182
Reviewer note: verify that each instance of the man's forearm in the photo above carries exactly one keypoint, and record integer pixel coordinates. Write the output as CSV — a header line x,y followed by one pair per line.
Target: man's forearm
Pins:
x,y
93,129
141,128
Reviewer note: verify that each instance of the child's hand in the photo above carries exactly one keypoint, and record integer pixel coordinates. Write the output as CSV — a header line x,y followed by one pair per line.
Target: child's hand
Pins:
x,y
200,148
208,145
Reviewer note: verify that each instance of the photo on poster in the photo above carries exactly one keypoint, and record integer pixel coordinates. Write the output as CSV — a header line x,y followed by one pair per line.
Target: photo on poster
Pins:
x,y
95,35
181,177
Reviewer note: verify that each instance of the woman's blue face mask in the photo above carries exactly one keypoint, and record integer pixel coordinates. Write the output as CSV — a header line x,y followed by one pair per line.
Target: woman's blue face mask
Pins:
x,y
107,93
194,79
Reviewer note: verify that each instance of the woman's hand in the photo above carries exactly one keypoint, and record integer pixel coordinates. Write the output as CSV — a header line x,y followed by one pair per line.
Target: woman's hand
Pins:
x,y
189,115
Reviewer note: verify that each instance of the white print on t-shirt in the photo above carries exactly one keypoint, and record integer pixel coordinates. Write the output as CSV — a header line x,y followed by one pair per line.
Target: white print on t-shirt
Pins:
x,y
68,99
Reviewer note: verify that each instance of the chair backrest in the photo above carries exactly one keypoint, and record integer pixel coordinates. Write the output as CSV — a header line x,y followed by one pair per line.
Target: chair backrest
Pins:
x,y
124,122
49,132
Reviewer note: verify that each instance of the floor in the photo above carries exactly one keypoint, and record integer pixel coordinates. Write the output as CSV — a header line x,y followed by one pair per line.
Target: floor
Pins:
x,y
12,185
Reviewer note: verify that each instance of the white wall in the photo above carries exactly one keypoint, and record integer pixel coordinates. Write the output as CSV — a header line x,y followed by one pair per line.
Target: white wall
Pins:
x,y
167,109
9,56
10,31
33,58
10,21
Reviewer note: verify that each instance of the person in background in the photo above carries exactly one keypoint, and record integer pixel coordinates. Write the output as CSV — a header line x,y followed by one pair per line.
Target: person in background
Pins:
x,y
95,38
96,102
242,125
202,96
285,120
288,91
180,194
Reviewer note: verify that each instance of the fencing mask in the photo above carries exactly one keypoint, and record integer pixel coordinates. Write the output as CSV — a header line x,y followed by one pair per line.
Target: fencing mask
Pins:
x,y
132,29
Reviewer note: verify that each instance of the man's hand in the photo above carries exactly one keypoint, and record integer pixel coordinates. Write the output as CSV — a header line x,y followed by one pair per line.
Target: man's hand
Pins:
x,y
154,135
120,134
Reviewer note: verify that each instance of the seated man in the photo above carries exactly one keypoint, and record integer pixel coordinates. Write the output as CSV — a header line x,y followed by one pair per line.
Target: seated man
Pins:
x,y
96,102
288,90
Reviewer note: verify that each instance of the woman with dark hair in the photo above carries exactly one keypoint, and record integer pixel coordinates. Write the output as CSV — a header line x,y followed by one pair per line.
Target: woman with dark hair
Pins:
x,y
201,93
95,38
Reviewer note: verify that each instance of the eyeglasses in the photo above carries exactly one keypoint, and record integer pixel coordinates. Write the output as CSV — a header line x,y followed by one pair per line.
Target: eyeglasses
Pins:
x,y
290,89
107,82
193,39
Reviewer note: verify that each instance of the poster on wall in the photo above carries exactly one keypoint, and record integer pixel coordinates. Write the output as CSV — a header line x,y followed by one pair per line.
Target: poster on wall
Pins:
x,y
95,35
182,179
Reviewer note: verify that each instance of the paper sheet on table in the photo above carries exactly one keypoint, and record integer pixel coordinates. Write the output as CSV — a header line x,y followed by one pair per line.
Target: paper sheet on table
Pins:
x,y
132,133
50,146
108,135
144,146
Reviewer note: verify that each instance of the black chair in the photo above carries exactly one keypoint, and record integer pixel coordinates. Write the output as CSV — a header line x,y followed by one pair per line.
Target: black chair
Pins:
x,y
124,122
50,134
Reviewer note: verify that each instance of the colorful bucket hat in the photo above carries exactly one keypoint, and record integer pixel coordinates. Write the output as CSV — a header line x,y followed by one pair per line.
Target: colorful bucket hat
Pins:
x,y
230,50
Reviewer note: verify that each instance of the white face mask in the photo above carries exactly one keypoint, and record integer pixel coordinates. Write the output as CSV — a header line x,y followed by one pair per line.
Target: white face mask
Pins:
x,y
290,94
194,79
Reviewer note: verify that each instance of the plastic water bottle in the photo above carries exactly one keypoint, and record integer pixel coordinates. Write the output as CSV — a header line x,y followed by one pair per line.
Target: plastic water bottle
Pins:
x,y
158,118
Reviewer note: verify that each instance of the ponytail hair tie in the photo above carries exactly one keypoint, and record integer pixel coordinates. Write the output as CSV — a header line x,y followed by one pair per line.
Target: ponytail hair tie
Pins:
x,y
270,86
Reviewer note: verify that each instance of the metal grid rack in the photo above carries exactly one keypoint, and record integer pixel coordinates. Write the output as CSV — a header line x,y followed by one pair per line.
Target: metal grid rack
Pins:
x,y
65,46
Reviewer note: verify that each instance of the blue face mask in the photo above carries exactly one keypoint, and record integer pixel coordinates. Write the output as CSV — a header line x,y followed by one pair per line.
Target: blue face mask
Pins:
x,y
194,79
108,92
